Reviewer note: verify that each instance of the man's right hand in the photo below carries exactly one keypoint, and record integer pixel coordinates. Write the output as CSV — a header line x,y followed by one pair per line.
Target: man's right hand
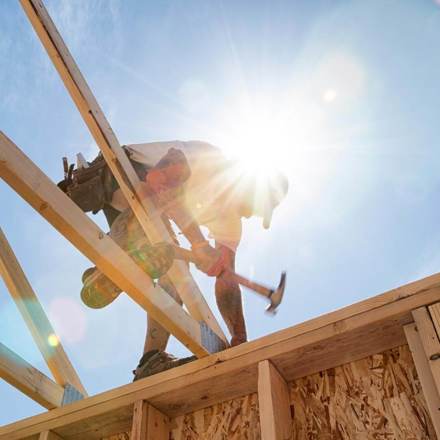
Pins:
x,y
208,259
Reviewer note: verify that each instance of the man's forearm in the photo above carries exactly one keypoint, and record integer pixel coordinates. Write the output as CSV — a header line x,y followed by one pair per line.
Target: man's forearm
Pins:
x,y
185,222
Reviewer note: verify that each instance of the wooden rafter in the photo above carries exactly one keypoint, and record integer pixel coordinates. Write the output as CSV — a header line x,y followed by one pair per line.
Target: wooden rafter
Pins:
x,y
30,381
354,332
18,171
117,160
35,318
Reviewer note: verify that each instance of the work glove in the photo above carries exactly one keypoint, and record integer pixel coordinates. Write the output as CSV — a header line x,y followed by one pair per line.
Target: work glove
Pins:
x,y
208,259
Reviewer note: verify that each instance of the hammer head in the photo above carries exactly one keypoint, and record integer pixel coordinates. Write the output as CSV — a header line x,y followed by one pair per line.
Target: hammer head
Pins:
x,y
277,295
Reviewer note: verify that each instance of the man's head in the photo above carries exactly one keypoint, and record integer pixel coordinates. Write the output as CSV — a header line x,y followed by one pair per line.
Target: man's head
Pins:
x,y
262,195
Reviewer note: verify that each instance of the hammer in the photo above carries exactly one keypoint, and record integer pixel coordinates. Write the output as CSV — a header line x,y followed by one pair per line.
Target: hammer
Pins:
x,y
275,296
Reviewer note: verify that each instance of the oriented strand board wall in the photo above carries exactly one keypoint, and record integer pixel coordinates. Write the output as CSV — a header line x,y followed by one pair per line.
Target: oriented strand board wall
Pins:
x,y
232,420
376,398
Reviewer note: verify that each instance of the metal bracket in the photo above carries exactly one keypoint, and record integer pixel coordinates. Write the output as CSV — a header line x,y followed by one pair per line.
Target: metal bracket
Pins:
x,y
71,394
210,340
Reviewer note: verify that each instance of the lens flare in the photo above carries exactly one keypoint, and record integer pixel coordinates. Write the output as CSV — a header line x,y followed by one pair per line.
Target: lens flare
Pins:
x,y
53,340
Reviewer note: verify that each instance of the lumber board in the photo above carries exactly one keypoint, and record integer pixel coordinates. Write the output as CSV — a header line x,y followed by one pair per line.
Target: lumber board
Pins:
x,y
354,332
430,342
148,216
35,318
139,423
424,372
49,435
148,423
274,403
30,381
19,172
434,311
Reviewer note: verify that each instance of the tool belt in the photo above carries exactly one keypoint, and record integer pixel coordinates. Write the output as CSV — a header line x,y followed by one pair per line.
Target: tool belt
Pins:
x,y
92,186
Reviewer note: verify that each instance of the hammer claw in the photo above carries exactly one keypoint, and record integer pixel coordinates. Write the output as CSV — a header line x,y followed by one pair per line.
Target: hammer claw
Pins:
x,y
276,296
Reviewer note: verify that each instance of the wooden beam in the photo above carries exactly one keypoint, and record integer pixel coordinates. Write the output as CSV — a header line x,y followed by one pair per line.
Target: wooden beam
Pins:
x,y
35,318
430,342
148,423
30,381
425,376
434,311
274,403
49,435
134,191
354,332
18,171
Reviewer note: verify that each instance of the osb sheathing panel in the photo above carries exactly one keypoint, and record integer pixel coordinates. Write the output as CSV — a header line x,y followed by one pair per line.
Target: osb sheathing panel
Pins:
x,y
376,398
235,420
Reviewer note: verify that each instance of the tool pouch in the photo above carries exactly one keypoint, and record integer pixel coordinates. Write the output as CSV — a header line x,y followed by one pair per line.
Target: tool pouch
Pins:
x,y
88,195
90,188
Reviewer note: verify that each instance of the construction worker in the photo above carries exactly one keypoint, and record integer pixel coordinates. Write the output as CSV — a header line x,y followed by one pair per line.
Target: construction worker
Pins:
x,y
194,185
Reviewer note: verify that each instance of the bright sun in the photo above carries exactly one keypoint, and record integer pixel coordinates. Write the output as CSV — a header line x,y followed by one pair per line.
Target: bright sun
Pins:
x,y
282,130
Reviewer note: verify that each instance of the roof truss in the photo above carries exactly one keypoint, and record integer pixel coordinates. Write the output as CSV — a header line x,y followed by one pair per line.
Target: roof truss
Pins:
x,y
147,215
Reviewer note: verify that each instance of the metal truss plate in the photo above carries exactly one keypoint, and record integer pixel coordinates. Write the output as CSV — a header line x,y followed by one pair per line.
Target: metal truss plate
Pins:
x,y
210,340
71,394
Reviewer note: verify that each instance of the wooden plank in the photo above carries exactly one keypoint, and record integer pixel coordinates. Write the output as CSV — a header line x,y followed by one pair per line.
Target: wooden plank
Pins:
x,y
139,424
18,171
30,381
430,342
117,160
274,403
158,425
148,423
35,318
424,373
49,435
434,311
352,333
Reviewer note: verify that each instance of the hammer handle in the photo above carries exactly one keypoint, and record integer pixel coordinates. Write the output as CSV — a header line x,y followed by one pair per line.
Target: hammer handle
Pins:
x,y
184,254
262,290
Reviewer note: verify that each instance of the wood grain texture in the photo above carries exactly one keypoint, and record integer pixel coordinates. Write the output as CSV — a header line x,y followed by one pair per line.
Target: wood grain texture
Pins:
x,y
274,402
434,311
49,435
35,318
379,397
232,420
30,381
425,375
139,423
430,342
158,425
148,423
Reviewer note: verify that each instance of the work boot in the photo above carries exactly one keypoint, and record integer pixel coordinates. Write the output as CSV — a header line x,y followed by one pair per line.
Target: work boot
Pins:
x,y
155,361
98,290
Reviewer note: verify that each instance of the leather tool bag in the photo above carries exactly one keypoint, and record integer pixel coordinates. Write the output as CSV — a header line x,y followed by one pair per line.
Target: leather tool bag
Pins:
x,y
90,188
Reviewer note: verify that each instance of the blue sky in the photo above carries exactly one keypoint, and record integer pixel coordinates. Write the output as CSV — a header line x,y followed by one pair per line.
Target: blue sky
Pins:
x,y
342,95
